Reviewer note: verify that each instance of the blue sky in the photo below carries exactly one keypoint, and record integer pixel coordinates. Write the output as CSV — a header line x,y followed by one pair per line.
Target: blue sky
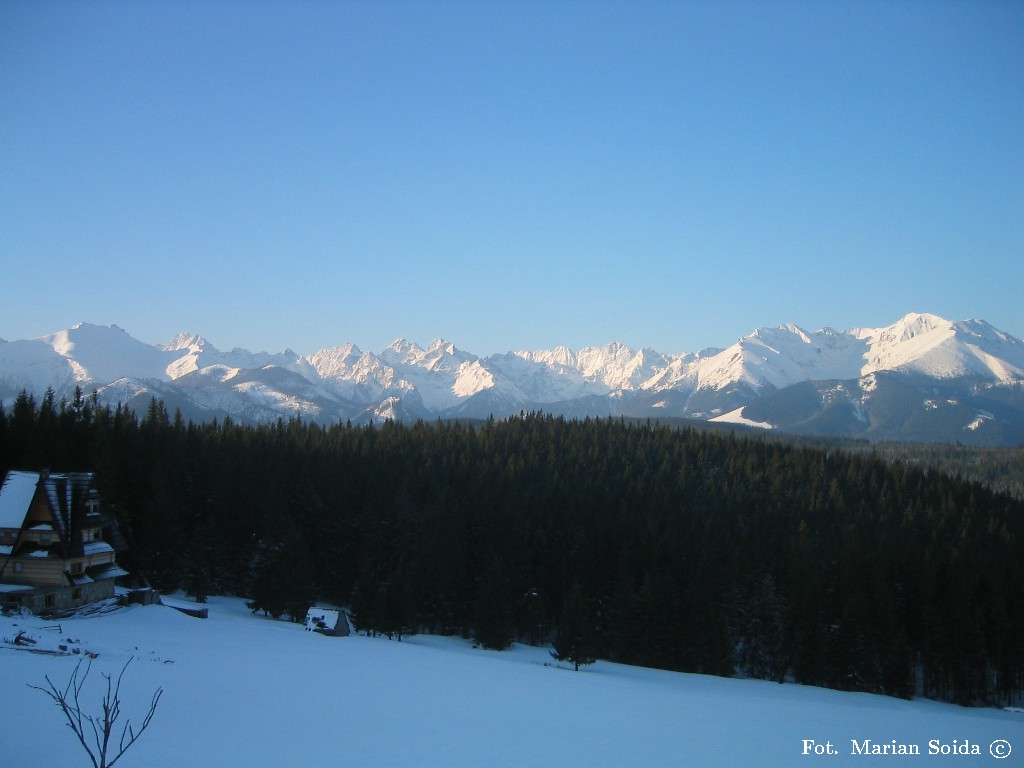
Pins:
x,y
508,175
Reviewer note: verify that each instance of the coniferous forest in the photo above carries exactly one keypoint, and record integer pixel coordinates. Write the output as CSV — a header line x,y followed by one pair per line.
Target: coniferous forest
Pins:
x,y
639,543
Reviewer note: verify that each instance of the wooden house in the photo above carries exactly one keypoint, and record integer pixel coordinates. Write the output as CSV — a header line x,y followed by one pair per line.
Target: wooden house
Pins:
x,y
57,544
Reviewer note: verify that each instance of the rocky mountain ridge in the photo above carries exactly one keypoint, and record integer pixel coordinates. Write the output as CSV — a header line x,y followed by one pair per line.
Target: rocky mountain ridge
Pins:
x,y
922,377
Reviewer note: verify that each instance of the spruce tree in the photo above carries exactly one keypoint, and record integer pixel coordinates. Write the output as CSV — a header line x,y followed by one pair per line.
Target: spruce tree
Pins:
x,y
575,641
494,609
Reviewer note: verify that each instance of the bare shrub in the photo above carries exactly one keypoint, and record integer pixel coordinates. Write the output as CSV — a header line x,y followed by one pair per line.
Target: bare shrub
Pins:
x,y
96,732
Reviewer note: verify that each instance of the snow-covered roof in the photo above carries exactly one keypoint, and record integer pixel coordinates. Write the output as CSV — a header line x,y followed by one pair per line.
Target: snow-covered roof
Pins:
x,y
97,548
322,618
60,496
15,497
110,571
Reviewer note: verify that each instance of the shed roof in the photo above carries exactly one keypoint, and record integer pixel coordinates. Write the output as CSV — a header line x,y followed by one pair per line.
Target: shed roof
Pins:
x,y
322,618
15,497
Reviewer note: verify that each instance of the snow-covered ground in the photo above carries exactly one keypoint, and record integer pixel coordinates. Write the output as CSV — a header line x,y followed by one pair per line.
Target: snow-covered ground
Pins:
x,y
241,690
737,417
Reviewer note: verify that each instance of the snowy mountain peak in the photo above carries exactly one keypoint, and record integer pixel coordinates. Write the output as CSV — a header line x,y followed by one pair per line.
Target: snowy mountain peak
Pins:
x,y
440,345
916,324
402,351
190,342
908,327
797,331
94,328
106,353
563,355
87,335
559,357
983,331
403,346
929,345
330,361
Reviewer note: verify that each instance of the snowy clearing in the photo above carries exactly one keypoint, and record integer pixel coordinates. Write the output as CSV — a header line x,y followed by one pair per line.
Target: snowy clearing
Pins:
x,y
242,690
737,417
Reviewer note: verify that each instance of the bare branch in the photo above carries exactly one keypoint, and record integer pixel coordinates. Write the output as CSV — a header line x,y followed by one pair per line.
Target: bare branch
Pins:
x,y
123,747
101,727
67,700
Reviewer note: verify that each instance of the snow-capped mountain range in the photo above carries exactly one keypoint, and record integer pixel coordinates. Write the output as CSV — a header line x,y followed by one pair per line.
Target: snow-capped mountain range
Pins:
x,y
921,378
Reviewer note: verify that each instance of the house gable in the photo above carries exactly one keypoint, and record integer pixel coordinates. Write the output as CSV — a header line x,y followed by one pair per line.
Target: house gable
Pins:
x,y
39,514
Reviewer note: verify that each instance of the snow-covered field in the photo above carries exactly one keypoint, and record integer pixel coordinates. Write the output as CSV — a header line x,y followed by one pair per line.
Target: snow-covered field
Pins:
x,y
241,690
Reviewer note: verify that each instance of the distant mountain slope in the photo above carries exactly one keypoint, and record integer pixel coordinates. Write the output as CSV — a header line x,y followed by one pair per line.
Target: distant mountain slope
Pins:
x,y
921,378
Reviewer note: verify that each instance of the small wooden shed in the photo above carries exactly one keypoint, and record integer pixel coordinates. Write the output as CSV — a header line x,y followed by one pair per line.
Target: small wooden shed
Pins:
x,y
327,621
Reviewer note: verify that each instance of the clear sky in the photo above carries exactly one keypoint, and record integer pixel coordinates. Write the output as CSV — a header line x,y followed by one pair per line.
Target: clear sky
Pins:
x,y
508,175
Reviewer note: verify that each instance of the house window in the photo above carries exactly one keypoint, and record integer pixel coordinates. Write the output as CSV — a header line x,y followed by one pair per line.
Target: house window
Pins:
x,y
49,600
76,594
17,567
45,537
76,567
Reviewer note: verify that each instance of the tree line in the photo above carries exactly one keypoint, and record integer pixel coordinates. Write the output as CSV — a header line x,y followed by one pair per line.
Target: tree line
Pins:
x,y
634,542
998,467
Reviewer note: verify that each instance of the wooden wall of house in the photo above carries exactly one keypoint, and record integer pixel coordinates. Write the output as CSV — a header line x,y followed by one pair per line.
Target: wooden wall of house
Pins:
x,y
41,571
44,538
47,571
